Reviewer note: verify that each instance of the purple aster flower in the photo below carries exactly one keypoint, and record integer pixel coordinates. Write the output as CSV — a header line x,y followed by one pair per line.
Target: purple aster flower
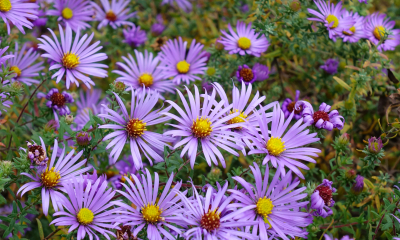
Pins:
x,y
207,86
57,101
212,216
155,211
330,66
262,71
41,20
125,167
375,145
115,14
180,66
283,146
201,123
74,57
134,36
158,27
275,205
363,1
321,199
331,16
89,102
132,128
185,5
89,209
245,41
18,13
358,186
377,26
3,59
357,31
75,13
37,153
245,74
323,118
22,66
52,178
328,237
144,72
288,107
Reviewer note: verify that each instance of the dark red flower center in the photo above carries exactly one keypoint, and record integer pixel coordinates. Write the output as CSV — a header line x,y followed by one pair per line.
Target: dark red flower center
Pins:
x,y
290,108
246,74
57,99
325,193
320,115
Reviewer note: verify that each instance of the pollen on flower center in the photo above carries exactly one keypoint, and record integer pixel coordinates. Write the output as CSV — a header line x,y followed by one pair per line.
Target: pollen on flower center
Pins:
x,y
239,119
320,115
16,70
379,32
275,146
85,216
201,127
70,60
67,13
50,178
110,16
332,18
5,5
146,79
183,66
351,31
247,74
151,213
57,99
264,207
325,193
211,220
244,43
135,127
290,108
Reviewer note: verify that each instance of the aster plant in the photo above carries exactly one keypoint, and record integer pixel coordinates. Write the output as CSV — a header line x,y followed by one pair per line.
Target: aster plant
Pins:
x,y
18,13
115,14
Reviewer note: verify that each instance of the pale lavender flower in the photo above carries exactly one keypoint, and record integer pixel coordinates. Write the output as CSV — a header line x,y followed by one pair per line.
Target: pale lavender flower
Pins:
x,y
377,26
245,41
180,66
323,118
3,59
41,20
329,237
4,103
288,106
357,31
125,167
321,199
52,178
158,27
23,67
185,5
330,66
115,14
19,13
89,209
75,13
57,101
86,103
202,122
74,57
275,205
132,128
134,36
262,71
152,210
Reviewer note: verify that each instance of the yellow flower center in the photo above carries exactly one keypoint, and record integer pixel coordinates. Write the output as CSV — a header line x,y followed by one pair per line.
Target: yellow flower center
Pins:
x,y
244,43
146,79
351,31
275,146
135,127
332,18
70,60
211,220
379,32
151,213
239,119
201,127
67,13
5,5
183,66
50,178
16,70
85,216
264,207
110,16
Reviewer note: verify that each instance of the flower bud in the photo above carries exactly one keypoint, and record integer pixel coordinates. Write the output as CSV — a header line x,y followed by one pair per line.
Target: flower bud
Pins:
x,y
51,126
211,71
69,119
349,104
351,173
344,139
375,145
6,168
214,174
119,86
358,186
295,5
16,86
218,45
83,138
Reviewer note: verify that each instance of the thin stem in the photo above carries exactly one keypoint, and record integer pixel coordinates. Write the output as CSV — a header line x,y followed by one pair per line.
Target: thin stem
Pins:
x,y
326,229
377,227
52,234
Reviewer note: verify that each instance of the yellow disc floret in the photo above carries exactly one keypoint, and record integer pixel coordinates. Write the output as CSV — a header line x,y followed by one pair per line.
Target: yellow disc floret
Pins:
x,y
332,18
379,32
201,127
5,5
244,43
50,178
135,127
238,119
16,70
264,207
146,79
183,66
151,213
70,60
351,31
67,13
85,216
275,146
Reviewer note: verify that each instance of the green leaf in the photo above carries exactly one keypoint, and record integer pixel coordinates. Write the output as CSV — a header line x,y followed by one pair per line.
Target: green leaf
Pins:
x,y
40,227
342,83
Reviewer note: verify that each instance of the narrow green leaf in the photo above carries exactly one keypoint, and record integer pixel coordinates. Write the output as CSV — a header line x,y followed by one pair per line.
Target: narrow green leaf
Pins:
x,y
40,227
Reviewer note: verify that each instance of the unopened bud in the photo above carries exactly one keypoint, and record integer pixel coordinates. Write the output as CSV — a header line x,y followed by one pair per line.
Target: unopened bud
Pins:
x,y
295,5
358,186
375,145
17,86
214,174
69,119
344,139
211,71
218,45
349,104
6,168
119,86
83,138
51,126
351,173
